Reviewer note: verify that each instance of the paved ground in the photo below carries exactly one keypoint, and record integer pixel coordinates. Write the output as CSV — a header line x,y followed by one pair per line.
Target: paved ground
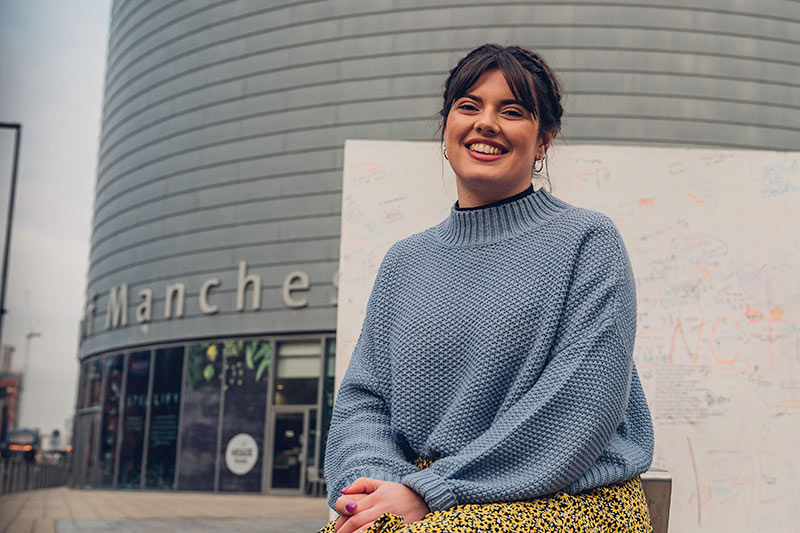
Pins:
x,y
63,510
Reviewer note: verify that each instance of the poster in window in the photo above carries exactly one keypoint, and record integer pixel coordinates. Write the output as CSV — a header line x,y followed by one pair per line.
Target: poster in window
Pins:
x,y
244,381
130,464
200,419
165,404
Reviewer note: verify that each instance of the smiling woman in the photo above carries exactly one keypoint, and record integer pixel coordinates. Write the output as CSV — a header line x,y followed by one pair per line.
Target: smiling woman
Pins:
x,y
492,387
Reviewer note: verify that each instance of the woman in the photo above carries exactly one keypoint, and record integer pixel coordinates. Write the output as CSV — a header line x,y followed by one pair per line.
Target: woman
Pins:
x,y
492,387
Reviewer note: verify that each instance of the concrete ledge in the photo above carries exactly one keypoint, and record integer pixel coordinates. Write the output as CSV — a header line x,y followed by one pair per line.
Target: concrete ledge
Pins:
x,y
657,485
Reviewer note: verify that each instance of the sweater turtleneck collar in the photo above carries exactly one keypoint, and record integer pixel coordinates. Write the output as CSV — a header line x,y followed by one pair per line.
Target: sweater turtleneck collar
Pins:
x,y
517,196
499,221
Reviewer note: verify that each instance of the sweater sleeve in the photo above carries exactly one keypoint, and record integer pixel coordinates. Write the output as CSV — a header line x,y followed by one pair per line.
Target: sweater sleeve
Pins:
x,y
559,427
361,442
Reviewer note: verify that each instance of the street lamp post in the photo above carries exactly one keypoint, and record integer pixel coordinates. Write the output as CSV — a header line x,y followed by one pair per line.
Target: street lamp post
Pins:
x,y
7,247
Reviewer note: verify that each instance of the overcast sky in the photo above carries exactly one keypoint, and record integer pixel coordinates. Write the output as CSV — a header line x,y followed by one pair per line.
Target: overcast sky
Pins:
x,y
52,64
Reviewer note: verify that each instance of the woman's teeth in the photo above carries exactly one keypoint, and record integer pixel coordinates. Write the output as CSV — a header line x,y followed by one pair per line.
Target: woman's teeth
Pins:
x,y
485,149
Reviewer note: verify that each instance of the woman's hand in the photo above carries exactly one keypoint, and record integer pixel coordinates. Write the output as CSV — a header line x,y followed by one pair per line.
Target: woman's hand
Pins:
x,y
347,506
375,498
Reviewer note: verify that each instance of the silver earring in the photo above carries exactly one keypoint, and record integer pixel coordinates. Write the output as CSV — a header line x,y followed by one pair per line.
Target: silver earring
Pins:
x,y
444,152
541,165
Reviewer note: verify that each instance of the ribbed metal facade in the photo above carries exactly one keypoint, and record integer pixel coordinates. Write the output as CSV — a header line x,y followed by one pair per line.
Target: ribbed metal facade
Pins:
x,y
224,124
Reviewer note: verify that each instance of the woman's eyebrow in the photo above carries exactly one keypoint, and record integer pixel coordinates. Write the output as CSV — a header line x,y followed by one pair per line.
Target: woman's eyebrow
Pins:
x,y
504,102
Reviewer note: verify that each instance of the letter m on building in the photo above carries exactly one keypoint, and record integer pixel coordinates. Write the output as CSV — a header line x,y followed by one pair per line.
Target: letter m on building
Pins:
x,y
117,312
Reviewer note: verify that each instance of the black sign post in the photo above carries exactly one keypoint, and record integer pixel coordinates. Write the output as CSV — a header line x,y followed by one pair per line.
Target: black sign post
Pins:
x,y
7,243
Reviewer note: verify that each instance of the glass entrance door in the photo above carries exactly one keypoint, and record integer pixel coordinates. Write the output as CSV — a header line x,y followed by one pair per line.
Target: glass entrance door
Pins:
x,y
289,450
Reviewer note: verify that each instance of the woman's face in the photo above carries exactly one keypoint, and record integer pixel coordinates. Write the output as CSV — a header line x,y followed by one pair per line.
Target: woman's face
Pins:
x,y
491,141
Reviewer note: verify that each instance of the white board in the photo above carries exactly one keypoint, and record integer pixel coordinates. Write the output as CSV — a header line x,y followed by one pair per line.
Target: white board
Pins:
x,y
714,239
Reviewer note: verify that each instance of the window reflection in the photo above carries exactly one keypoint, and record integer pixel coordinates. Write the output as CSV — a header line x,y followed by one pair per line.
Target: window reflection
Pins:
x,y
297,376
200,416
93,382
327,397
206,433
136,401
110,424
245,373
82,386
163,431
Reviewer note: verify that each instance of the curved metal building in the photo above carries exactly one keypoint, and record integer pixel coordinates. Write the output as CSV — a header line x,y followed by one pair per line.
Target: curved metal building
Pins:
x,y
219,189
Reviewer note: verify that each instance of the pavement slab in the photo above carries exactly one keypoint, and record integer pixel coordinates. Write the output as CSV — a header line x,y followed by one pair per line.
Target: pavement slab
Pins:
x,y
63,510
261,525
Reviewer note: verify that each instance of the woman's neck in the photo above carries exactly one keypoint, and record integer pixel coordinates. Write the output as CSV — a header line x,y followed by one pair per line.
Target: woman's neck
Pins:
x,y
484,204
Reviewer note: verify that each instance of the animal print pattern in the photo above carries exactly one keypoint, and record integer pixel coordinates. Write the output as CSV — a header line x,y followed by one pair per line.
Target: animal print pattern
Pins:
x,y
615,508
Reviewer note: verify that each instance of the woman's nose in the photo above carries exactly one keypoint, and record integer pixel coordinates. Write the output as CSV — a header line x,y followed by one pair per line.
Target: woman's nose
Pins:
x,y
486,125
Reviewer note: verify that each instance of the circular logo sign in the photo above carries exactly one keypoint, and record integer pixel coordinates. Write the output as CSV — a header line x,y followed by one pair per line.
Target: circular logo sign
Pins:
x,y
241,454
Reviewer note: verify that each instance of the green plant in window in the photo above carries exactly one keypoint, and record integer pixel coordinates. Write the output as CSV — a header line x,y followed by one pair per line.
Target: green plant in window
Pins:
x,y
243,361
248,355
232,349
262,359
211,353
200,364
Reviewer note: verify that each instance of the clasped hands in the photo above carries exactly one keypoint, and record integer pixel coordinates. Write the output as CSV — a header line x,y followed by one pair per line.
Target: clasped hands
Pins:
x,y
367,499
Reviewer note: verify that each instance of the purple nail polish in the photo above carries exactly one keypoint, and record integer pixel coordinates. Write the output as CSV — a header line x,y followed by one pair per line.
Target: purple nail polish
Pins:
x,y
350,507
347,487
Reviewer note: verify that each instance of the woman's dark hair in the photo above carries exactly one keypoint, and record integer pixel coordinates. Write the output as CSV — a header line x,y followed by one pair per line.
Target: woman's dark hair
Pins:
x,y
531,80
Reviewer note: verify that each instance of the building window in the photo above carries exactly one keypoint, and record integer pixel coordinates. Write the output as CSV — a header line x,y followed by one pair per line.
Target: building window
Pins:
x,y
165,403
200,420
245,373
130,465
327,396
94,382
192,417
82,386
297,374
109,427
86,428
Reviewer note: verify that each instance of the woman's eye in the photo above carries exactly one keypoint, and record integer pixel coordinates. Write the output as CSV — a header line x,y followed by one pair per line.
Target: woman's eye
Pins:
x,y
468,107
514,112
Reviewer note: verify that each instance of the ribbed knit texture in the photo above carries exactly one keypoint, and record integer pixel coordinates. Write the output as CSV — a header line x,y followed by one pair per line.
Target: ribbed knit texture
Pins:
x,y
500,342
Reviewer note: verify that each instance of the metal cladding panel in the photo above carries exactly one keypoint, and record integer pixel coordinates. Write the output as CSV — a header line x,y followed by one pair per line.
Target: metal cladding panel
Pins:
x,y
224,123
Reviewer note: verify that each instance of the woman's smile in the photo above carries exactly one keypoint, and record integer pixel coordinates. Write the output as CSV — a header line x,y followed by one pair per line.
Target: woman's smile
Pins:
x,y
485,149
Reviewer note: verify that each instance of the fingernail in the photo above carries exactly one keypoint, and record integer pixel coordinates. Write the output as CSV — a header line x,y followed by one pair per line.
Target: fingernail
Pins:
x,y
347,487
350,507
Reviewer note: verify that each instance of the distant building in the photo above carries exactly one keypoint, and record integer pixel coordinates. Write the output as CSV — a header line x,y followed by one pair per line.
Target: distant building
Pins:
x,y
6,357
9,400
209,337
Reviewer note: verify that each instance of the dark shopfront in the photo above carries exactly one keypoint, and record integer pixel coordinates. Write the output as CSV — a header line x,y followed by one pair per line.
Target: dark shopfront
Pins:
x,y
240,415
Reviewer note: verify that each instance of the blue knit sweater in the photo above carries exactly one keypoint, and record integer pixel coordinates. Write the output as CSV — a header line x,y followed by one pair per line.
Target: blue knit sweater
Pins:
x,y
499,342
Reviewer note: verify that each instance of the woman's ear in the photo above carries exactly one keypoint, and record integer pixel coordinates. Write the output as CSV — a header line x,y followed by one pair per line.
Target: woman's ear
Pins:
x,y
544,144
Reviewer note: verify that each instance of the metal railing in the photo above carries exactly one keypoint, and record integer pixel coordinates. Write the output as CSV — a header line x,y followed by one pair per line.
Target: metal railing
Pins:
x,y
16,476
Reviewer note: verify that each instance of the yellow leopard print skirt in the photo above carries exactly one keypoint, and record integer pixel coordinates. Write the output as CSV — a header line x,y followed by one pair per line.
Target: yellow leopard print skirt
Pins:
x,y
615,508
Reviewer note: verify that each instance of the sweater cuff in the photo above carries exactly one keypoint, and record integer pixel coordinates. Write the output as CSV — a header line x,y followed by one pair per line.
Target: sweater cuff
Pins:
x,y
372,473
432,488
